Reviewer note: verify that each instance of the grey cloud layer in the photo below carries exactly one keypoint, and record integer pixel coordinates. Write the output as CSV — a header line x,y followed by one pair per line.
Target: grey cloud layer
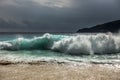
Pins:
x,y
56,15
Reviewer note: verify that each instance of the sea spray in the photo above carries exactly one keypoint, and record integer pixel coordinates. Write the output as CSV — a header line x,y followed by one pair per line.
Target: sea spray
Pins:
x,y
68,44
37,43
89,44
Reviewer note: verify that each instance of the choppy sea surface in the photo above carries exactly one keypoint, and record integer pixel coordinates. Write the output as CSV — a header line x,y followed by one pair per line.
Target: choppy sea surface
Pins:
x,y
95,48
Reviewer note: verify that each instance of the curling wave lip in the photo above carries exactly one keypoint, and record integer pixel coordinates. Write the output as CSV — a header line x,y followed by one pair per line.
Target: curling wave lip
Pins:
x,y
68,44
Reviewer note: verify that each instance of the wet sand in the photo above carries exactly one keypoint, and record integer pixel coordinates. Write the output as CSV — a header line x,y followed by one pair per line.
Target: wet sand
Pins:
x,y
59,72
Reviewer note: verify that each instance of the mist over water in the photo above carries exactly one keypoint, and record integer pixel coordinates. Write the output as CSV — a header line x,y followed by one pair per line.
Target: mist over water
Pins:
x,y
89,44
68,47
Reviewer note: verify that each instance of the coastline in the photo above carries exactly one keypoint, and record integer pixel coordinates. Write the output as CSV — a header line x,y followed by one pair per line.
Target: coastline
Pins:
x,y
43,70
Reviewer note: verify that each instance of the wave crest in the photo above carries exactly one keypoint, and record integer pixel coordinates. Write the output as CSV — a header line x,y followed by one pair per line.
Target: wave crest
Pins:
x,y
72,44
89,44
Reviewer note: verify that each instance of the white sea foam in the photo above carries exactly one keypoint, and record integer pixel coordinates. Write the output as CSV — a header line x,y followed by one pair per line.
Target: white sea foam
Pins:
x,y
89,44
70,44
5,45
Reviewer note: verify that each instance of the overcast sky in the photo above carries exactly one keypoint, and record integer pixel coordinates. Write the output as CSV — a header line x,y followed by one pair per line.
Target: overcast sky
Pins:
x,y
56,15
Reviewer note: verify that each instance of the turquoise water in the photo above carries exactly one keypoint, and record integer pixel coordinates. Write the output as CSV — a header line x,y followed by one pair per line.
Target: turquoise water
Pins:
x,y
97,48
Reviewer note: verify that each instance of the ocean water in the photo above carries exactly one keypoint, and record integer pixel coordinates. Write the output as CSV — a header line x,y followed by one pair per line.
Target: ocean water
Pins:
x,y
95,48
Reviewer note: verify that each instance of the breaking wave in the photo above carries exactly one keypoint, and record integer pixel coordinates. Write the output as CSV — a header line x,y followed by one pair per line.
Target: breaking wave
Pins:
x,y
39,43
70,44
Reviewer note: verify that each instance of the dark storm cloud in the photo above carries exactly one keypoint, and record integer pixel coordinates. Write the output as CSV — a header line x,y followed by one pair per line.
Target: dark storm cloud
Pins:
x,y
56,15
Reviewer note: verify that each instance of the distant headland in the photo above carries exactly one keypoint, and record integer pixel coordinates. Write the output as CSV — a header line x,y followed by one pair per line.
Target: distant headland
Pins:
x,y
113,27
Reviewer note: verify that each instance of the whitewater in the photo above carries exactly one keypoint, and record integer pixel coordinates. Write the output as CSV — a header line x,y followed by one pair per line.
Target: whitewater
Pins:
x,y
98,47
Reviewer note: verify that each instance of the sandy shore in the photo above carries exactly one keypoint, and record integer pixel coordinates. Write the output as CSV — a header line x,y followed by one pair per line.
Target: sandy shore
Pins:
x,y
59,72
